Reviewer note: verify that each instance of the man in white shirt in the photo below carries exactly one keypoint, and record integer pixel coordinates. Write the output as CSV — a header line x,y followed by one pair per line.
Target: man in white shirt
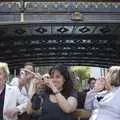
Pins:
x,y
12,102
25,83
20,82
25,79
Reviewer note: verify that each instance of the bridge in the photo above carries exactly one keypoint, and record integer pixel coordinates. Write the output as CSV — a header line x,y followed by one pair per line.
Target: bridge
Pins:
x,y
72,32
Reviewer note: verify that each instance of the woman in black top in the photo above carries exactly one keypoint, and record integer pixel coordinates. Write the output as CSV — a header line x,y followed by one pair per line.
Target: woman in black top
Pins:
x,y
58,100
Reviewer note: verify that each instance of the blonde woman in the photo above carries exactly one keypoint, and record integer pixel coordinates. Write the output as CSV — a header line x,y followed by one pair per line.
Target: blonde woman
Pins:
x,y
109,105
10,97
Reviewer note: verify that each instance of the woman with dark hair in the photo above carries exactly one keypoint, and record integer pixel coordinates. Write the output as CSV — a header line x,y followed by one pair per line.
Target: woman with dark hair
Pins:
x,y
58,100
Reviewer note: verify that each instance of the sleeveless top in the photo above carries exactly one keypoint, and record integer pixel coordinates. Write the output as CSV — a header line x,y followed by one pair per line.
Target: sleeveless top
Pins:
x,y
52,111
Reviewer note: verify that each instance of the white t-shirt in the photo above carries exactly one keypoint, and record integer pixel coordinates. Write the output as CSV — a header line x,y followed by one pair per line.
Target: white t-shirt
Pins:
x,y
15,82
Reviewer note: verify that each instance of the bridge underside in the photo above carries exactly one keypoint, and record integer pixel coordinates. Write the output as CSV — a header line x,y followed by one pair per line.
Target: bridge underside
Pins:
x,y
46,33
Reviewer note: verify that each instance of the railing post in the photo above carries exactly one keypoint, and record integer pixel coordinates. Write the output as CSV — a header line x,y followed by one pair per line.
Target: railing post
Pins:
x,y
22,10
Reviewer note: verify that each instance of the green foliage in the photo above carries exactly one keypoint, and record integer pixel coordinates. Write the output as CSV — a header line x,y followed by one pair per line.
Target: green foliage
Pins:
x,y
83,73
43,69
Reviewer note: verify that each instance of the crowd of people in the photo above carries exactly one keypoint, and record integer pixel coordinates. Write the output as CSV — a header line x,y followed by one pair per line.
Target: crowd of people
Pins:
x,y
52,96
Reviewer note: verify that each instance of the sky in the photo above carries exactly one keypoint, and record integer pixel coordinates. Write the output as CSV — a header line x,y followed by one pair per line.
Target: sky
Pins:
x,y
95,72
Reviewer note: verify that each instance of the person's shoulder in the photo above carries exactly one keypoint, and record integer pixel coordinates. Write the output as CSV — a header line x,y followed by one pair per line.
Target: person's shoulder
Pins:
x,y
86,90
15,81
119,88
15,88
15,78
74,93
40,93
116,90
